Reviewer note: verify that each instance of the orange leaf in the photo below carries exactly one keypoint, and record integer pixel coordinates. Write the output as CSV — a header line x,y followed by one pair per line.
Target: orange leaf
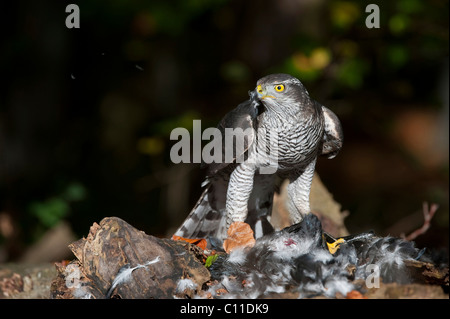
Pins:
x,y
239,234
200,242
355,294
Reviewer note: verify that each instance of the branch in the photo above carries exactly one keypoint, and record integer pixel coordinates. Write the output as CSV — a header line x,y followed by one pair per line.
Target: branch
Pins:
x,y
428,214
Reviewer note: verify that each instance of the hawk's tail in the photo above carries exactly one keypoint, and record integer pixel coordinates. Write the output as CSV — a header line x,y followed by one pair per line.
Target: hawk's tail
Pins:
x,y
204,221
208,217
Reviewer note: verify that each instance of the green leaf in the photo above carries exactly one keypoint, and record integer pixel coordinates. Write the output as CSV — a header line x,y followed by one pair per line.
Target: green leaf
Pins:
x,y
399,23
397,55
410,6
51,211
351,73
344,14
210,260
75,192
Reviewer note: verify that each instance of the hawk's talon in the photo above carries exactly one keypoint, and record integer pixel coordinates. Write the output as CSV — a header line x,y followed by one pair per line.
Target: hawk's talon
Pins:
x,y
334,246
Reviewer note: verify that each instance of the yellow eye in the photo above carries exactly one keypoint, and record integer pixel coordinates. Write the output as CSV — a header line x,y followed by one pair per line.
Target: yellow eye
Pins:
x,y
259,89
279,88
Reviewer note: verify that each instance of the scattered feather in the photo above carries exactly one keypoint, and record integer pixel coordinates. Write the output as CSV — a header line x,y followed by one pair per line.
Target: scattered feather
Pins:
x,y
185,285
124,274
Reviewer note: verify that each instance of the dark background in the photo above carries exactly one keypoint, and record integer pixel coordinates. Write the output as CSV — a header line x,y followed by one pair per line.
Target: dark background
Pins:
x,y
86,114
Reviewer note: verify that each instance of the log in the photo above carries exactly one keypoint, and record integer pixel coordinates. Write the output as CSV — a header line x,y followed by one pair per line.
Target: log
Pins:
x,y
117,260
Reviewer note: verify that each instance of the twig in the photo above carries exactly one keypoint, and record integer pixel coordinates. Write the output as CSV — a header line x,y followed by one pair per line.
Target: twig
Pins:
x,y
428,214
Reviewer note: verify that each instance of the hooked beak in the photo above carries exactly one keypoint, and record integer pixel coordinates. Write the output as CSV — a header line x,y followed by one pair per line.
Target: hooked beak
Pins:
x,y
262,94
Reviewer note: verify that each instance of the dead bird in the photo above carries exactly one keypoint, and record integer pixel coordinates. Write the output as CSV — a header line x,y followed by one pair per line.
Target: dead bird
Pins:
x,y
303,258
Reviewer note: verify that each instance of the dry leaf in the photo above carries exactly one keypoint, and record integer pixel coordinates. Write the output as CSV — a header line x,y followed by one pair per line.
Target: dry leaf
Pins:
x,y
355,294
200,242
239,234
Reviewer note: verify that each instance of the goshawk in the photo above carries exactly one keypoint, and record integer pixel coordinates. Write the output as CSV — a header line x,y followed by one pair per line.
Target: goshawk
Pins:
x,y
287,130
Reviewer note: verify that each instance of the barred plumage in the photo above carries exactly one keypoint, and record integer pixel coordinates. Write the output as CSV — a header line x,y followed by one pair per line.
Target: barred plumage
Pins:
x,y
289,131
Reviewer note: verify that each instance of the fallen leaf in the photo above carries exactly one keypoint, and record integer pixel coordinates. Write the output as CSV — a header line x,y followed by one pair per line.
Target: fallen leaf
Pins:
x,y
209,261
200,242
239,234
355,294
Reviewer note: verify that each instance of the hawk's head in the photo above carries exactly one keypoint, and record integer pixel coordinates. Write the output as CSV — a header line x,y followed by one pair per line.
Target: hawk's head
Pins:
x,y
281,93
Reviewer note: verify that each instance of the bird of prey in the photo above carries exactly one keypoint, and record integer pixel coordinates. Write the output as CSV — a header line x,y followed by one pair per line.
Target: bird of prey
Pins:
x,y
288,130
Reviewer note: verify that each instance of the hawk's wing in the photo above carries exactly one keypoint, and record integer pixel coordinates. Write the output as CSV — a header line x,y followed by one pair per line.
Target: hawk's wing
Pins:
x,y
207,218
333,136
244,117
